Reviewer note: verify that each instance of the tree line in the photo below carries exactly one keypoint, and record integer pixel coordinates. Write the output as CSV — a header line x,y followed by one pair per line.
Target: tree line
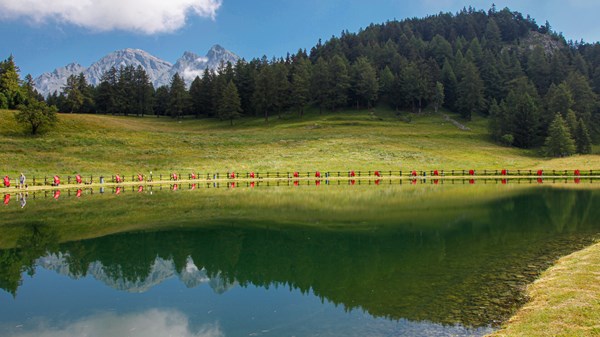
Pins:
x,y
495,63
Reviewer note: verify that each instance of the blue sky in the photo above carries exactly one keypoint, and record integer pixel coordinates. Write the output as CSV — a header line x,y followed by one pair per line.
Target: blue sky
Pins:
x,y
43,35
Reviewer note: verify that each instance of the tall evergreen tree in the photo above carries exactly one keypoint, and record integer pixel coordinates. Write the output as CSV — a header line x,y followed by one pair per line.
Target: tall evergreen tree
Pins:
x,y
470,92
74,94
364,82
559,142
320,83
301,73
161,101
230,106
264,93
583,140
10,83
339,84
106,93
178,97
438,98
450,85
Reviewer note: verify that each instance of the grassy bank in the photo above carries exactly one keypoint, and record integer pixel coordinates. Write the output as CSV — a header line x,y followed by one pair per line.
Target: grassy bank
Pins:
x,y
361,140
565,300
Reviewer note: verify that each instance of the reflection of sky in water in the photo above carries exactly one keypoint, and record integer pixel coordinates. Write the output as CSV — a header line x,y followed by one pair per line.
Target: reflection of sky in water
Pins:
x,y
87,307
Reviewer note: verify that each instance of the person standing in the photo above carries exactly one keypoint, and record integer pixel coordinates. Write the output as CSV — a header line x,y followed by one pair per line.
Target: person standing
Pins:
x,y
22,181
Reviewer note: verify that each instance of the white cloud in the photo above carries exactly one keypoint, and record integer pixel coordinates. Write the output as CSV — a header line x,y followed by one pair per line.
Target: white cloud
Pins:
x,y
152,323
145,16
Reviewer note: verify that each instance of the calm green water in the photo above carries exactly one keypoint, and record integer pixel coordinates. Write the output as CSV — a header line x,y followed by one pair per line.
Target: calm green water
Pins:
x,y
384,259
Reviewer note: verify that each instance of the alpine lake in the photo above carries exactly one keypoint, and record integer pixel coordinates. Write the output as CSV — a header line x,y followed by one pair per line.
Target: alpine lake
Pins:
x,y
447,257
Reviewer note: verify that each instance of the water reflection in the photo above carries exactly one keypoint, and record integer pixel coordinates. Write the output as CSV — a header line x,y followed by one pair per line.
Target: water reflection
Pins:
x,y
143,324
458,257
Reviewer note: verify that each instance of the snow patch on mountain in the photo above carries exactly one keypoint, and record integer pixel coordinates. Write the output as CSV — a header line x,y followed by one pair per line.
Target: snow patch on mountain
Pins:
x,y
160,71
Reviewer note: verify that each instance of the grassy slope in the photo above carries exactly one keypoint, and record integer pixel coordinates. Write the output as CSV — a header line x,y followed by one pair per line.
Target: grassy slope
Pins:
x,y
565,301
96,144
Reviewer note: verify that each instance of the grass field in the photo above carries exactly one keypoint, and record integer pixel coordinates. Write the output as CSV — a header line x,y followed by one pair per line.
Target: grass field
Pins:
x,y
564,301
348,140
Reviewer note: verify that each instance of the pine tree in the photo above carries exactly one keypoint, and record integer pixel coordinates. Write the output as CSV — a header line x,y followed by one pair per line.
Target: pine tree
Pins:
x,y
196,95
178,97
320,83
583,140
470,92
450,85
106,93
339,83
230,105
74,95
301,73
559,142
264,93
161,101
438,98
10,83
281,86
144,92
364,82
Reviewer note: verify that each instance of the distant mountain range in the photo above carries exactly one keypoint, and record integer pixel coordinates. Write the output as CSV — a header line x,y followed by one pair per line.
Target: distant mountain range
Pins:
x,y
160,71
160,271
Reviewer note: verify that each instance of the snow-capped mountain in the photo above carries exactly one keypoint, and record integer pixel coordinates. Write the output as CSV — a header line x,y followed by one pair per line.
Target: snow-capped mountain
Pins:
x,y
154,66
160,271
56,80
191,65
160,71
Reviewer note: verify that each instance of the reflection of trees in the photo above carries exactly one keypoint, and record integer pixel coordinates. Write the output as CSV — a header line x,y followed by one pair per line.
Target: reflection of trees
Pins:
x,y
467,270
38,240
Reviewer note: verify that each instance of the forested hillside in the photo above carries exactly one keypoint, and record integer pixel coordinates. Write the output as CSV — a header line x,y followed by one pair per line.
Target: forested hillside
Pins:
x,y
525,77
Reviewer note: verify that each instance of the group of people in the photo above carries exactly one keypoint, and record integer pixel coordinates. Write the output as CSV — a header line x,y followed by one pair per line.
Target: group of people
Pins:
x,y
21,182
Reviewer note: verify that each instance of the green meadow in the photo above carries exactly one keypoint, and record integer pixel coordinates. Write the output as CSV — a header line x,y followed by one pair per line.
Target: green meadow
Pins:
x,y
342,141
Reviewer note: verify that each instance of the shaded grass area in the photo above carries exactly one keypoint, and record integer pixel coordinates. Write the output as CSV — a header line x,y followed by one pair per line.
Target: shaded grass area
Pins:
x,y
565,300
347,140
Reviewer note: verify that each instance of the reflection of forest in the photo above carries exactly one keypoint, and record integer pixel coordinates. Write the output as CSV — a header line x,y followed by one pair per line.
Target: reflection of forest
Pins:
x,y
466,270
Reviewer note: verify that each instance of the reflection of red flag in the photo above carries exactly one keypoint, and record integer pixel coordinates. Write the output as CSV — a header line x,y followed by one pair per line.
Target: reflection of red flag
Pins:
x,y
577,180
414,181
193,187
252,184
56,194
6,199
232,185
118,190
540,180
318,182
78,195
352,182
504,181
140,189
436,181
296,183
472,181
175,187
377,182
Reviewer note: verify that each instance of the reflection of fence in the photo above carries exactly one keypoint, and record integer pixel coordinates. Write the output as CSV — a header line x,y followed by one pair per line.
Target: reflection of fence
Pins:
x,y
294,183
208,176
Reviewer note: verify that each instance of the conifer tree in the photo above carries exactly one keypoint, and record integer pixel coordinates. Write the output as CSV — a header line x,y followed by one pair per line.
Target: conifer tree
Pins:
x,y
364,82
559,142
74,95
470,92
300,84
10,83
178,97
230,105
450,85
339,83
438,98
583,140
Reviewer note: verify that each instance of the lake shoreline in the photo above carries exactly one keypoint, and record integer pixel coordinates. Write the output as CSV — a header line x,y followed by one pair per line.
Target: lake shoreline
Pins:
x,y
563,300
